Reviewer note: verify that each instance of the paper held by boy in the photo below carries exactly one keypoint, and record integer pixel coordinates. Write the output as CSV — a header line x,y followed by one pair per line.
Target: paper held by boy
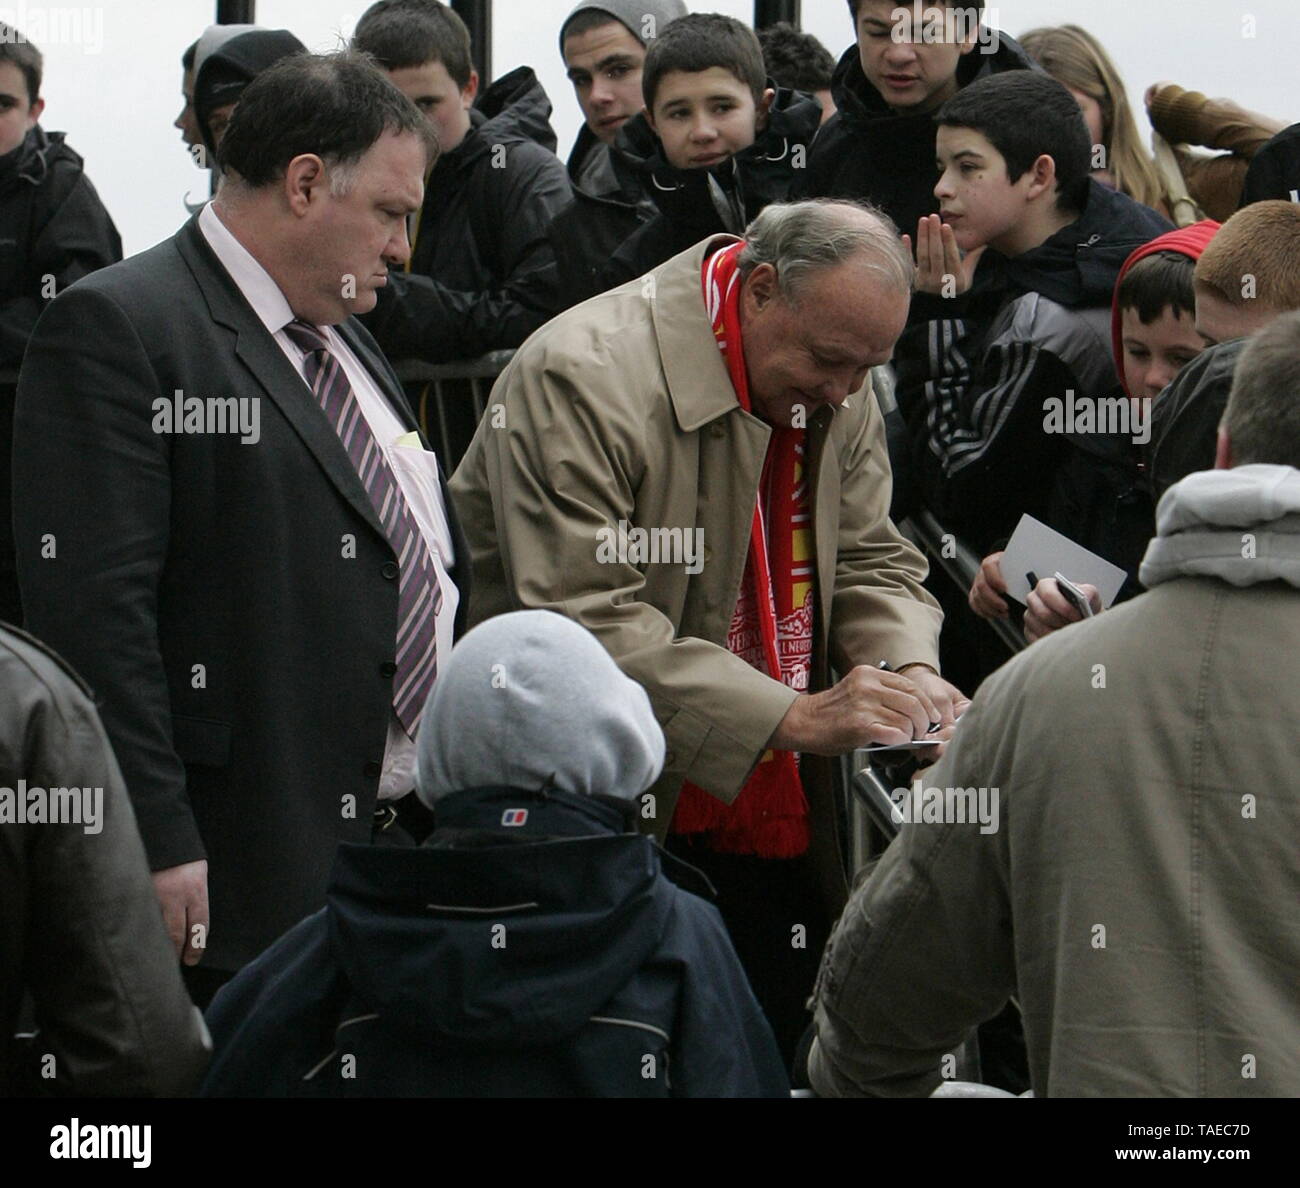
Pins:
x,y
1036,548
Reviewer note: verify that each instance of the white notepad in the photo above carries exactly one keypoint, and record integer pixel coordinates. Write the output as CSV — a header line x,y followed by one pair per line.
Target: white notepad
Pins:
x,y
1036,548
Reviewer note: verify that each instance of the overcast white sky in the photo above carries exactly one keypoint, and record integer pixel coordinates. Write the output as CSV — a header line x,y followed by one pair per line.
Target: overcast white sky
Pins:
x,y
113,68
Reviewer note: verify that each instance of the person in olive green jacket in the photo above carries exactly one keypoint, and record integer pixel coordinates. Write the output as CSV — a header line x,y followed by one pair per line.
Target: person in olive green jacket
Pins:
x,y
1134,884
616,479
80,929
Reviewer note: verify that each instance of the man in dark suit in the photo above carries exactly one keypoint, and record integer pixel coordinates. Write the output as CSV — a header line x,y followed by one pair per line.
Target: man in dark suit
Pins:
x,y
226,522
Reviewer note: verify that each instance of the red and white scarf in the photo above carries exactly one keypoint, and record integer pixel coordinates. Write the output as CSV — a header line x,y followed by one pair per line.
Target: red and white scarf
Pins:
x,y
771,626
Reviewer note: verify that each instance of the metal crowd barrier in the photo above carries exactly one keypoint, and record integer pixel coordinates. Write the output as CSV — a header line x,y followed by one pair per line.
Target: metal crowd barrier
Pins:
x,y
961,563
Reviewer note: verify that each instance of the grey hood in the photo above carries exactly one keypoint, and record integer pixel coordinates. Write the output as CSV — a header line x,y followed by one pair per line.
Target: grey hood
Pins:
x,y
1240,525
633,14
531,698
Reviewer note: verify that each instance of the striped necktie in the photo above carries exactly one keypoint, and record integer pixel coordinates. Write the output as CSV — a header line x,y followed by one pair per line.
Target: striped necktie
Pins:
x,y
419,594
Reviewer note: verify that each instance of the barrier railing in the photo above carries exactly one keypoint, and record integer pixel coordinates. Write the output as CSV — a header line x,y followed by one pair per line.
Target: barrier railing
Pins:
x,y
961,563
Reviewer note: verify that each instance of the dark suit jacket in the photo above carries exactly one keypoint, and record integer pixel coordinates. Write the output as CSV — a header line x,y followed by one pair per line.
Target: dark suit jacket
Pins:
x,y
231,604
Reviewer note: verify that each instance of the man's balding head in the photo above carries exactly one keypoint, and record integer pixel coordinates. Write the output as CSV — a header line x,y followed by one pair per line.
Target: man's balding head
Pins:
x,y
826,288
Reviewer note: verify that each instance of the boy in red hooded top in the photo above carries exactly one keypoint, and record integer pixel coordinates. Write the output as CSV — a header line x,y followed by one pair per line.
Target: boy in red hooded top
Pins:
x,y
1153,327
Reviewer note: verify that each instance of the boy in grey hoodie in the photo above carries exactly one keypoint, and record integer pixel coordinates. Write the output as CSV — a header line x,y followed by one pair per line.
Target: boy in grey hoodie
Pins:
x,y
534,945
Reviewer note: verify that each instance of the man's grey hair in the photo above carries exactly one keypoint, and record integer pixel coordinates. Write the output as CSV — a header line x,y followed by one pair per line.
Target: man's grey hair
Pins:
x,y
1263,413
801,238
342,175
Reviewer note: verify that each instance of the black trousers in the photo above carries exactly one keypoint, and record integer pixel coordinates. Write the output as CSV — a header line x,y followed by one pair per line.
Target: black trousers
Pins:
x,y
779,925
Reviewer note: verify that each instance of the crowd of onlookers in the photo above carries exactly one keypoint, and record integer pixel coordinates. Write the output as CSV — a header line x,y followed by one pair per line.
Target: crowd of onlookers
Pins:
x,y
433,773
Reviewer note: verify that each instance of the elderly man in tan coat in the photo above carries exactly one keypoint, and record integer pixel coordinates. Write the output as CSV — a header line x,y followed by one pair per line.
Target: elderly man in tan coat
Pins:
x,y
693,466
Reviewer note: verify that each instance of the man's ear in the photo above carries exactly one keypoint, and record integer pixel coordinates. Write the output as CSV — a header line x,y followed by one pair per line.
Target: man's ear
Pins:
x,y
764,109
650,119
760,289
34,112
470,91
303,177
1223,450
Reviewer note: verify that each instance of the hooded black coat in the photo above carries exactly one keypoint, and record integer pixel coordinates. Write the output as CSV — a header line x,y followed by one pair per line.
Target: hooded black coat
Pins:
x,y
549,959
482,275
870,152
587,232
763,173
52,225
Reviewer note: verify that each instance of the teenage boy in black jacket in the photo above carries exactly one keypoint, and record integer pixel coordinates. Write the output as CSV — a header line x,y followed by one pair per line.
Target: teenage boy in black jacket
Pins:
x,y
1009,340
909,59
53,230
603,46
481,275
715,144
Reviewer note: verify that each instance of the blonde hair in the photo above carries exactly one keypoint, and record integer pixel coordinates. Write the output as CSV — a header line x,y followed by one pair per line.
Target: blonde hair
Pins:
x,y
1075,58
1255,257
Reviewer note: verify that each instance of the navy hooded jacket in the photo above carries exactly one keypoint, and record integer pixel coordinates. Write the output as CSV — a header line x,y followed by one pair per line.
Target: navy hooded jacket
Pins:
x,y
529,949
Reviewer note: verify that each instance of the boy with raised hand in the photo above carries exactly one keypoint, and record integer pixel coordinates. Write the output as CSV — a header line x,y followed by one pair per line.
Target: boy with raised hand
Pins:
x,y
1154,336
481,273
715,144
53,231
908,60
988,356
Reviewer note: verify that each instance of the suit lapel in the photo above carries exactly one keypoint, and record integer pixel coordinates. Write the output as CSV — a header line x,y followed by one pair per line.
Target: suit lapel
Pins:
x,y
270,367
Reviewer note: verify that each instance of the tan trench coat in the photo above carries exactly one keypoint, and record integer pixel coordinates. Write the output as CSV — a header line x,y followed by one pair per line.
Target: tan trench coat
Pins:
x,y
622,410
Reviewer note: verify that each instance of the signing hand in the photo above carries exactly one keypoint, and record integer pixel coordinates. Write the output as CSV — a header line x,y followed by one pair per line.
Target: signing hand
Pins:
x,y
951,703
869,705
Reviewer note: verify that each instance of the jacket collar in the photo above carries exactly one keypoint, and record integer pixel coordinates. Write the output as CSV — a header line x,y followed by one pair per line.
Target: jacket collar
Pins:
x,y
524,813
698,384
478,815
1240,525
30,161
